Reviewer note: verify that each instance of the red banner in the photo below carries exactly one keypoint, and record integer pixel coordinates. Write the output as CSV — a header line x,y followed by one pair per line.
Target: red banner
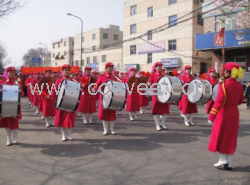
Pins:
x,y
29,70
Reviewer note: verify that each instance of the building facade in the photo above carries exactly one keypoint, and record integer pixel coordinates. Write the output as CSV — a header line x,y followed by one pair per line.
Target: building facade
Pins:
x,y
62,48
172,43
99,46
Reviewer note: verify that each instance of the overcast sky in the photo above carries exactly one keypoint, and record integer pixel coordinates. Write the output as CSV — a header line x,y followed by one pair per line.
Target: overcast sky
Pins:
x,y
47,20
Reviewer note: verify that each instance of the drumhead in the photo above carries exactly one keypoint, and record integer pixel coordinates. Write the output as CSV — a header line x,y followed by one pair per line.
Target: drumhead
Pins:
x,y
215,91
165,93
107,98
61,94
194,91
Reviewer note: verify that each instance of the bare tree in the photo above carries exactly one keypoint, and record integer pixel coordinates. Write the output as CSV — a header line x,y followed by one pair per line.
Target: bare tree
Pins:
x,y
36,53
3,55
8,7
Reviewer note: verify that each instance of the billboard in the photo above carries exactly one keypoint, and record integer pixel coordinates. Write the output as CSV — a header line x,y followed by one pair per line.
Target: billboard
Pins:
x,y
94,66
170,62
155,47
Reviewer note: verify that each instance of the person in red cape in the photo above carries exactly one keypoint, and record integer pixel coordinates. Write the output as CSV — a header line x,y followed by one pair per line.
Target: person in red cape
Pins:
x,y
188,109
63,119
87,104
35,95
224,116
108,117
133,99
48,104
159,110
10,124
144,101
116,73
212,78
126,75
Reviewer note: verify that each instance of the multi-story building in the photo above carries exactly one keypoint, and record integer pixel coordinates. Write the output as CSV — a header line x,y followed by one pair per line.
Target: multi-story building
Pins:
x,y
62,48
99,46
173,45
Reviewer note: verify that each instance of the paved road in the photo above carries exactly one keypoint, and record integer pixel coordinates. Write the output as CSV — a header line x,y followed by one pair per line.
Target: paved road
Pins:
x,y
138,154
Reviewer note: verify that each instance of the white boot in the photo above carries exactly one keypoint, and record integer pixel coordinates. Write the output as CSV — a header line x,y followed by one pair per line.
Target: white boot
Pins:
x,y
186,120
144,110
112,125
14,132
43,118
29,103
163,119
191,119
182,115
64,138
47,122
90,118
157,122
70,133
135,116
85,119
8,134
229,160
131,116
222,160
105,127
37,111
141,110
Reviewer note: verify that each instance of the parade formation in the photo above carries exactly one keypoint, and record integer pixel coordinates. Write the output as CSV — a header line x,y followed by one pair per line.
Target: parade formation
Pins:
x,y
60,106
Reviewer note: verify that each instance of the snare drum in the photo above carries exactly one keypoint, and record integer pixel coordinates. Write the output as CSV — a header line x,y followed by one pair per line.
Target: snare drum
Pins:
x,y
170,89
215,91
115,100
69,96
9,101
195,91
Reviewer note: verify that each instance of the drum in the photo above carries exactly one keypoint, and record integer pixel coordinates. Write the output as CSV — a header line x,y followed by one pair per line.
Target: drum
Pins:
x,y
69,96
114,96
195,91
170,89
215,91
148,93
9,101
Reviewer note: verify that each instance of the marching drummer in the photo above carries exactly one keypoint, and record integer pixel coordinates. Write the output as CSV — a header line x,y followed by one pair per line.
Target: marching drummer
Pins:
x,y
63,119
108,117
212,78
133,99
87,104
116,73
10,124
159,110
188,109
224,116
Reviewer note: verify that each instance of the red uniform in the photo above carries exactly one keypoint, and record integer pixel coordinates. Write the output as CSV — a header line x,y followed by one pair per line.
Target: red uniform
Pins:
x,y
133,99
28,81
48,105
158,107
11,123
87,103
144,101
185,105
63,118
210,104
225,115
105,115
36,95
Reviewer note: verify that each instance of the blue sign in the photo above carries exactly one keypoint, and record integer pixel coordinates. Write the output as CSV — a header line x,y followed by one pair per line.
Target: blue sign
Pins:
x,y
94,66
233,38
170,62
36,60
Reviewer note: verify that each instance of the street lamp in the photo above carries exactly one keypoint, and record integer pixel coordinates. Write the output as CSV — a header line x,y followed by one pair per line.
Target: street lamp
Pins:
x,y
69,14
44,52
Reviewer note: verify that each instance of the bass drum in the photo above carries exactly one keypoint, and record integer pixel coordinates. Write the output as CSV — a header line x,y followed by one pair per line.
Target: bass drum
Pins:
x,y
115,100
195,92
215,91
170,89
69,96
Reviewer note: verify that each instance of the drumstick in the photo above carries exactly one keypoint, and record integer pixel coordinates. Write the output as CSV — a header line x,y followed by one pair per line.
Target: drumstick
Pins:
x,y
117,78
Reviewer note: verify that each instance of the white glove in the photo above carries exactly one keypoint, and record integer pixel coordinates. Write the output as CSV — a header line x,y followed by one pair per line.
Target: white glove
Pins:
x,y
149,83
210,122
93,90
47,97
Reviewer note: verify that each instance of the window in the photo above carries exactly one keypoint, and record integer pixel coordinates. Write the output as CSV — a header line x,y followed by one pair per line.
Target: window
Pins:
x,y
54,46
132,28
53,55
58,45
115,37
77,63
95,59
82,39
88,60
150,36
150,11
93,36
150,59
203,68
230,22
133,10
105,46
172,2
65,53
172,20
200,19
133,50
93,48
65,43
172,45
105,36
242,61
55,63
103,58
